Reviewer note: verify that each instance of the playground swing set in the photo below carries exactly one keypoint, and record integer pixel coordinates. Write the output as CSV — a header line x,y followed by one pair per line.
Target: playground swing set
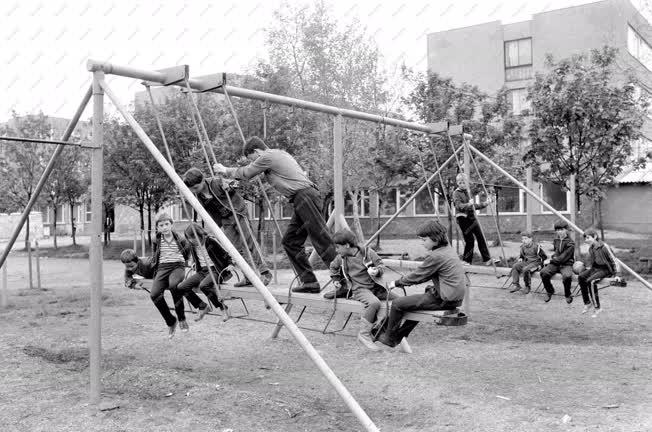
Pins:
x,y
179,76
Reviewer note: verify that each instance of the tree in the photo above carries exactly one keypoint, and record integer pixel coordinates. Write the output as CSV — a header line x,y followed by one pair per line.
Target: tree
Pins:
x,y
584,121
23,163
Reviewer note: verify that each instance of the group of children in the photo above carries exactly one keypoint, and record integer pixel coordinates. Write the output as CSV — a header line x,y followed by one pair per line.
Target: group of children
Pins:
x,y
532,258
354,270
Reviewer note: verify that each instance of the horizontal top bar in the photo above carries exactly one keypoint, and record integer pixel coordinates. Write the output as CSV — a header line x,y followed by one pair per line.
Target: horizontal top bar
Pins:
x,y
39,141
201,84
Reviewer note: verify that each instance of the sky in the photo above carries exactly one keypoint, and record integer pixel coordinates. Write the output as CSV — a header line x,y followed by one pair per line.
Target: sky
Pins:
x,y
45,44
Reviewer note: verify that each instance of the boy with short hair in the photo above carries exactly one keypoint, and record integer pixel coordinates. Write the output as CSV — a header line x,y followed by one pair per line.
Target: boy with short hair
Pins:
x,y
562,260
285,174
530,259
135,265
358,268
601,264
171,251
212,194
443,268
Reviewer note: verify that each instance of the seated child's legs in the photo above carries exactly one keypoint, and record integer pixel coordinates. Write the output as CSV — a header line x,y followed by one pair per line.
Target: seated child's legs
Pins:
x,y
517,269
370,301
175,277
159,285
567,279
208,288
546,274
186,287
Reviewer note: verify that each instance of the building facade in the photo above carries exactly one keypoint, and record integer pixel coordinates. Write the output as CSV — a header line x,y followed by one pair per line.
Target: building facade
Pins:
x,y
495,55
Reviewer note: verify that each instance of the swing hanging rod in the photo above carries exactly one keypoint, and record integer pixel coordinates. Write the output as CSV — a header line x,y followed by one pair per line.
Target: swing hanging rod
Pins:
x,y
217,83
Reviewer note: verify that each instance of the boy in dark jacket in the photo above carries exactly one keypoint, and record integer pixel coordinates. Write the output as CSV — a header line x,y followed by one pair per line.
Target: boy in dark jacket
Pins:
x,y
443,268
204,247
465,215
601,264
562,260
213,196
359,268
171,251
135,265
530,259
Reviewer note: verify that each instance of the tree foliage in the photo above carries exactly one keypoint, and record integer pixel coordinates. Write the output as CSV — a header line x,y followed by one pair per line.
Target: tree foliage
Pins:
x,y
584,122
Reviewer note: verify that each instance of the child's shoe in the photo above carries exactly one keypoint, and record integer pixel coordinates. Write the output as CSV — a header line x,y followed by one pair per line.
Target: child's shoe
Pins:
x,y
515,287
404,347
526,290
569,300
586,308
548,297
184,326
201,314
596,313
172,329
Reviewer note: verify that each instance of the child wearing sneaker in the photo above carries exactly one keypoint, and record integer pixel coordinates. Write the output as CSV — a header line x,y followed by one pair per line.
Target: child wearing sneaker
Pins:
x,y
562,260
443,268
203,248
358,268
601,265
171,251
530,259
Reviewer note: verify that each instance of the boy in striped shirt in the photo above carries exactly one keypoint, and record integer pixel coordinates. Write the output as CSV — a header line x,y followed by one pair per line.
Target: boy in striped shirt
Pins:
x,y
171,251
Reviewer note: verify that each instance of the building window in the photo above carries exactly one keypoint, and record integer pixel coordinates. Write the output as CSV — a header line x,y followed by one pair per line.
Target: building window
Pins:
x,y
46,215
363,204
638,48
509,200
179,212
517,100
518,59
60,214
423,202
287,209
387,202
254,210
554,195
402,196
87,206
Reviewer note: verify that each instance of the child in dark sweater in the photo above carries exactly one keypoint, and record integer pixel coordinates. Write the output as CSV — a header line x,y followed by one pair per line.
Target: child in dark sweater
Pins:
x,y
562,260
205,248
443,268
601,264
358,268
530,259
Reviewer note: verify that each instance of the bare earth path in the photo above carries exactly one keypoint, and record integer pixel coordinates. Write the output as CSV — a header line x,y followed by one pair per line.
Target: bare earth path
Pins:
x,y
519,365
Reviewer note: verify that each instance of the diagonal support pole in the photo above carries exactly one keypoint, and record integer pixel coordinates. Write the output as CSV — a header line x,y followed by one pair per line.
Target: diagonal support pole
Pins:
x,y
353,405
423,186
46,173
549,207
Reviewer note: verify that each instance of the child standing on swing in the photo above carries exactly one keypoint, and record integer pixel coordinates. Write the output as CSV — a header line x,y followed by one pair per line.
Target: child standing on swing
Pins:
x,y
358,268
205,247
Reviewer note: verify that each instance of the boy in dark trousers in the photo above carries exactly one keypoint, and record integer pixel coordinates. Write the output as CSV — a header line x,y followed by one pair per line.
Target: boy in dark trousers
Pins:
x,y
443,268
466,219
212,195
358,268
601,265
530,259
283,172
562,260
171,251
204,247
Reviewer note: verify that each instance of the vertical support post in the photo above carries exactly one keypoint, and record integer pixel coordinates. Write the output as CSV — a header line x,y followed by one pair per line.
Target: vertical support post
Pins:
x,y
5,287
29,263
572,207
467,174
338,213
95,252
274,256
142,242
38,265
529,201
135,242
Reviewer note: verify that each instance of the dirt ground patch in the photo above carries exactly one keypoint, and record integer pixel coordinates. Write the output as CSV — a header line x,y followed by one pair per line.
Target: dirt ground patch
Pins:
x,y
519,365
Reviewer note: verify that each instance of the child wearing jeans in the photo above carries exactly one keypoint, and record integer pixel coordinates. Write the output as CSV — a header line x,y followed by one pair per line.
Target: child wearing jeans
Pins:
x,y
443,268
601,265
204,247
358,268
171,251
530,259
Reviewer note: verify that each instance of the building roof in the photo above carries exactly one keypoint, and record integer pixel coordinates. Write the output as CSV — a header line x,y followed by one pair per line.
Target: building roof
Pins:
x,y
630,175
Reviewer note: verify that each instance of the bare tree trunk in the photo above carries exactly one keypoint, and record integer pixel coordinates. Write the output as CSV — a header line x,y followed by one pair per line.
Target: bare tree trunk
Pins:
x,y
54,224
73,227
357,226
600,224
149,224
